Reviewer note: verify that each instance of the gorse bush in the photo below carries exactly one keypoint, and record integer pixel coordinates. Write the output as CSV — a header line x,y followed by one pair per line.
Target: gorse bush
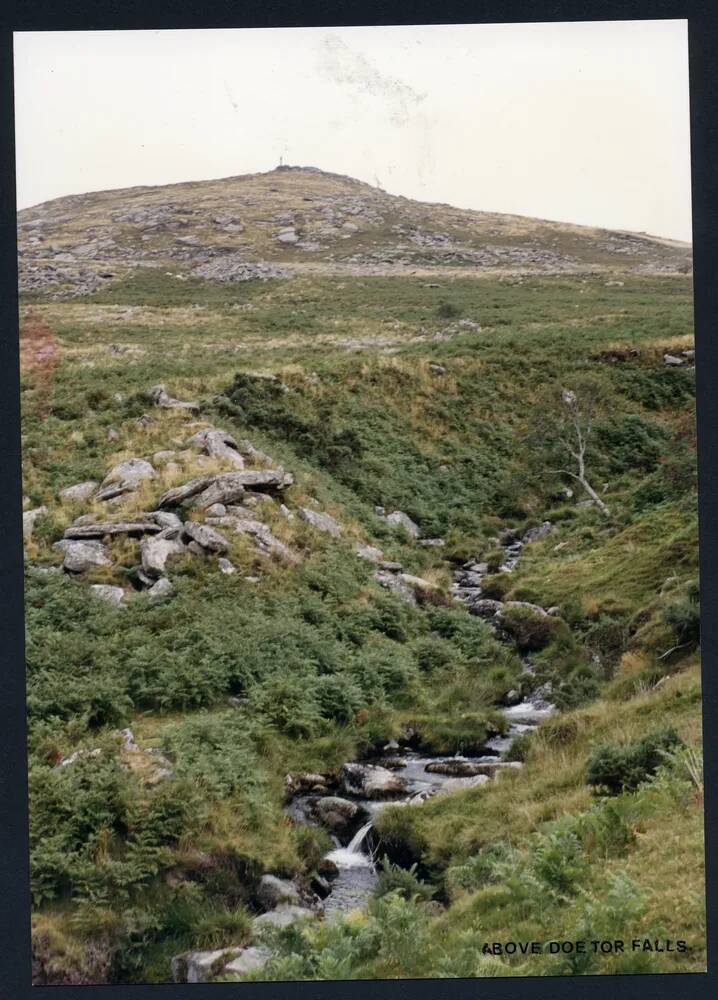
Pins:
x,y
616,768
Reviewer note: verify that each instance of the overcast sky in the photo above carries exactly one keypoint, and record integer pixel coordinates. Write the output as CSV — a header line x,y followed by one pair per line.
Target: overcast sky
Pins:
x,y
582,122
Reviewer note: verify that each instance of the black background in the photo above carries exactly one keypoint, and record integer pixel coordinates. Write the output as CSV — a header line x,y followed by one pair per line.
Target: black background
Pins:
x,y
38,15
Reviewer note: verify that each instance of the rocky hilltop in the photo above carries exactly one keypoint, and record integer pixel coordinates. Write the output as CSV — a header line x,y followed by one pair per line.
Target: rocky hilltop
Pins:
x,y
295,220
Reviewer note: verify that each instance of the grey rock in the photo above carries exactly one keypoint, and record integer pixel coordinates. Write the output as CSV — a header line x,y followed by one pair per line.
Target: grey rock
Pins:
x,y
321,521
154,552
218,444
80,491
125,478
273,891
340,815
199,966
160,590
217,510
392,582
437,369
178,494
103,528
226,567
82,555
671,359
159,395
162,457
432,543
537,533
282,916
401,521
205,537
371,781
250,959
165,519
263,538
29,518
113,595
368,552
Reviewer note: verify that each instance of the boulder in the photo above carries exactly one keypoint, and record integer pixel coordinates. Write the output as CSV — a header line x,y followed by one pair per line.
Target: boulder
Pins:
x,y
178,494
217,444
537,533
160,590
301,784
159,395
327,868
324,522
263,538
29,518
204,536
249,960
457,768
340,815
154,552
113,595
282,916
226,567
82,555
369,552
217,510
125,477
273,891
223,490
372,782
165,519
80,491
671,359
102,528
401,521
199,966
392,582
162,457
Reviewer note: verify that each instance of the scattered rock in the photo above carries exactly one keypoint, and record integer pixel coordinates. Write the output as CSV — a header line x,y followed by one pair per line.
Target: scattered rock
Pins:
x,y
80,491
204,536
399,520
154,552
125,478
162,457
537,533
113,595
368,552
226,567
324,522
104,528
302,784
282,916
160,590
29,518
249,960
218,444
158,394
372,782
671,359
340,815
273,891
82,555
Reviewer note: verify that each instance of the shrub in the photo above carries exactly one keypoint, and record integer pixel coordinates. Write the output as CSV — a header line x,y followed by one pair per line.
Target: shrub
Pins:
x,y
447,310
531,631
618,769
404,881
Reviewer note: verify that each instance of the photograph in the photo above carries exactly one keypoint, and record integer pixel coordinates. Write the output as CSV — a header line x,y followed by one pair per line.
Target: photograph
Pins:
x,y
360,502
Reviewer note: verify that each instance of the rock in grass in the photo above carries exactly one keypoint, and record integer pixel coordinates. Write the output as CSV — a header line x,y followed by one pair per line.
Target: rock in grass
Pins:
x,y
282,916
273,891
160,590
154,552
339,815
226,567
29,518
324,522
204,536
82,555
80,491
102,528
249,960
125,477
159,395
199,966
113,595
217,444
401,521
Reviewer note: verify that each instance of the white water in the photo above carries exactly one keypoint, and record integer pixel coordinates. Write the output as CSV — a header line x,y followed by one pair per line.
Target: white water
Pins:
x,y
352,855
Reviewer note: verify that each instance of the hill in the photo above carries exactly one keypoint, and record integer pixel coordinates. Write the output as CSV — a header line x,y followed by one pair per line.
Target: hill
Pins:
x,y
293,545
297,220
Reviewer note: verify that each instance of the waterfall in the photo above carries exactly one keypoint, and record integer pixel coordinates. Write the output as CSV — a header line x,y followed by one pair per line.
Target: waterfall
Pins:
x,y
359,838
352,856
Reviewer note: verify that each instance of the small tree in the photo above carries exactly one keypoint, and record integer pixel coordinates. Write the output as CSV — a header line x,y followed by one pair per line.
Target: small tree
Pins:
x,y
574,431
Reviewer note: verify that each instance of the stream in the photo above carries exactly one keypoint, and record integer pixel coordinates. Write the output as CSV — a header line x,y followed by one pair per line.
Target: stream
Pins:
x,y
421,776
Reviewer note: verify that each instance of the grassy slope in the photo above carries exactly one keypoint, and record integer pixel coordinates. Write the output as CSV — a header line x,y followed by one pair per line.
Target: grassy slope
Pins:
x,y
450,449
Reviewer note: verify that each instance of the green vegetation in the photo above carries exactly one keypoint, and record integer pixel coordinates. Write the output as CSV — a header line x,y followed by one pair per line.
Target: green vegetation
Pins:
x,y
236,681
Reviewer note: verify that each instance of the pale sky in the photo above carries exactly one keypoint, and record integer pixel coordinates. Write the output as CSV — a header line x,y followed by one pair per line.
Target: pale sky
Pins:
x,y
582,122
